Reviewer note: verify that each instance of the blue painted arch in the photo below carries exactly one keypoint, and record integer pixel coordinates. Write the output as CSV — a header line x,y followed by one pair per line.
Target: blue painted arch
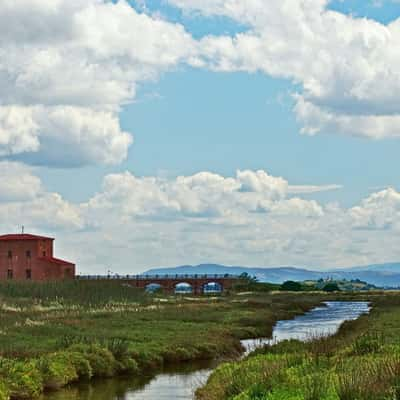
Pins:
x,y
212,287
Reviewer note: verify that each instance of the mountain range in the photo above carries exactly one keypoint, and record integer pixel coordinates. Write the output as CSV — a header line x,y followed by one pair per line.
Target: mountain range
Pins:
x,y
382,275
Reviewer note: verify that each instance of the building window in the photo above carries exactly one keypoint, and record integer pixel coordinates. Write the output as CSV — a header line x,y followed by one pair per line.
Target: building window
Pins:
x,y
28,274
9,254
28,253
10,274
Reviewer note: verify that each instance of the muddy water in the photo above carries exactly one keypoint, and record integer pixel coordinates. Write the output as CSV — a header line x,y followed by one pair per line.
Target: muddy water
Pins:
x,y
180,382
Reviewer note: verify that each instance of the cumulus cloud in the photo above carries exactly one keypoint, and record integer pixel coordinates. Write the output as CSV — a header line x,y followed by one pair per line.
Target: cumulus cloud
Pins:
x,y
136,222
62,136
380,210
203,195
17,183
24,201
209,217
67,67
347,66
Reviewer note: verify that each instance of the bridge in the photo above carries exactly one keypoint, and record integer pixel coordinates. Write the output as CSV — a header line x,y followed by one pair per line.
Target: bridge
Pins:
x,y
184,284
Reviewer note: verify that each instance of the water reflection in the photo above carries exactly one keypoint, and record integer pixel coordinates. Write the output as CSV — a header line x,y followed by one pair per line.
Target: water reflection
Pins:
x,y
321,321
173,382
180,382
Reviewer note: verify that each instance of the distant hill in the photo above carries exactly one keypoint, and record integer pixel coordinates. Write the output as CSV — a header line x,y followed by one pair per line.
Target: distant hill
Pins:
x,y
382,275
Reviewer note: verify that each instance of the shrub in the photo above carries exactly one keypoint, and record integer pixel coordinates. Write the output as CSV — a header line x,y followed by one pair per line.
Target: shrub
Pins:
x,y
103,364
291,286
179,354
22,378
331,287
81,364
127,365
118,347
148,359
57,370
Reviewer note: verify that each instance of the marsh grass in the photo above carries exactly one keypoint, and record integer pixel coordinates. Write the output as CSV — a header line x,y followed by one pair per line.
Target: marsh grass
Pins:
x,y
71,293
119,329
360,362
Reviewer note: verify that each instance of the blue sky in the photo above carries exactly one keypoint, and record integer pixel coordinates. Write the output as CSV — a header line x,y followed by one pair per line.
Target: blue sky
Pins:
x,y
191,120
189,131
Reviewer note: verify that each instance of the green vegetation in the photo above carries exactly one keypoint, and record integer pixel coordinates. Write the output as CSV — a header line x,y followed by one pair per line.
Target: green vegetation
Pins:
x,y
292,286
361,362
249,283
53,334
331,287
355,285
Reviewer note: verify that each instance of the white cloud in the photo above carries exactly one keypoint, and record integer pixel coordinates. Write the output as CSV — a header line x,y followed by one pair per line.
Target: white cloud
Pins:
x,y
24,201
203,195
380,210
136,222
67,67
301,189
317,120
62,135
17,183
348,67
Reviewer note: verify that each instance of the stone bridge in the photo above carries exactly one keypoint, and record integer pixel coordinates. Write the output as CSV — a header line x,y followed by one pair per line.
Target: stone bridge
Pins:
x,y
187,284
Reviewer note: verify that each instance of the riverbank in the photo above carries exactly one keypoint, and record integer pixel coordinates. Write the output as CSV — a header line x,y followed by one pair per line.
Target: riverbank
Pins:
x,y
55,334
360,362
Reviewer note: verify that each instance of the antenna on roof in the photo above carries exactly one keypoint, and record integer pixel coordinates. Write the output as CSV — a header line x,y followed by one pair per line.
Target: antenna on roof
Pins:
x,y
23,229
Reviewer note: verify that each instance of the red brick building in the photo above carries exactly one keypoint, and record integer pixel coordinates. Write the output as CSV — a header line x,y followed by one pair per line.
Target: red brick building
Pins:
x,y
30,257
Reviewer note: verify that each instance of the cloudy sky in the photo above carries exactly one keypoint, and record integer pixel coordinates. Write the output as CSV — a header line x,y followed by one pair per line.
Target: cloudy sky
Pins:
x,y
163,132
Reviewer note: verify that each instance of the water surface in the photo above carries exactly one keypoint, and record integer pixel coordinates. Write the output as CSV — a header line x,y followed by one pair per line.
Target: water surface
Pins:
x,y
180,382
319,322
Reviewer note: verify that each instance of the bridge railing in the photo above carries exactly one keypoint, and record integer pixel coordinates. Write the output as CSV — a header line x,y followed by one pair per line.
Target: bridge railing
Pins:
x,y
157,276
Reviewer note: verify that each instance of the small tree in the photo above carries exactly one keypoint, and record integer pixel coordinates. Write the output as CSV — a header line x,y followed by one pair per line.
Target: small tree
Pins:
x,y
246,281
331,287
291,286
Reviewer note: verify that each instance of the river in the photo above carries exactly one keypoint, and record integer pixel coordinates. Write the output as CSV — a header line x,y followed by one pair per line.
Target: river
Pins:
x,y
180,382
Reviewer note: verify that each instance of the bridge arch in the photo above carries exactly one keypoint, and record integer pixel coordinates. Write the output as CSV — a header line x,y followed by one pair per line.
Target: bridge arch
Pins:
x,y
153,287
183,288
212,288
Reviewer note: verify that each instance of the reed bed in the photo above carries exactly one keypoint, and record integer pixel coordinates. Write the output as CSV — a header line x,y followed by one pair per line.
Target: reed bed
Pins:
x,y
53,334
360,362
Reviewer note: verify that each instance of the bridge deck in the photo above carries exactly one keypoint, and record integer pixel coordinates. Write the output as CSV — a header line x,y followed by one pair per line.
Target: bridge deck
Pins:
x,y
168,283
158,277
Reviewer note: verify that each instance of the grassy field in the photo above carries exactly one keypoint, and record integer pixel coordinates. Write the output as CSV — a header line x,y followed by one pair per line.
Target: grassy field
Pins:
x,y
56,333
362,362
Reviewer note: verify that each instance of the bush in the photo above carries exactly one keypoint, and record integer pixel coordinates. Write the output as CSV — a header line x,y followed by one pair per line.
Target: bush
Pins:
x,y
101,360
118,347
57,370
148,359
81,364
179,354
22,378
127,365
331,287
291,286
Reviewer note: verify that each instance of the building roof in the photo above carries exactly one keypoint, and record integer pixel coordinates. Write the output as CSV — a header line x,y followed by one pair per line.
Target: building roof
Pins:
x,y
56,260
23,236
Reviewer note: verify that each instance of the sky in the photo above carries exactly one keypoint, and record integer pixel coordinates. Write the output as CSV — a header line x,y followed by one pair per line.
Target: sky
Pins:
x,y
151,133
